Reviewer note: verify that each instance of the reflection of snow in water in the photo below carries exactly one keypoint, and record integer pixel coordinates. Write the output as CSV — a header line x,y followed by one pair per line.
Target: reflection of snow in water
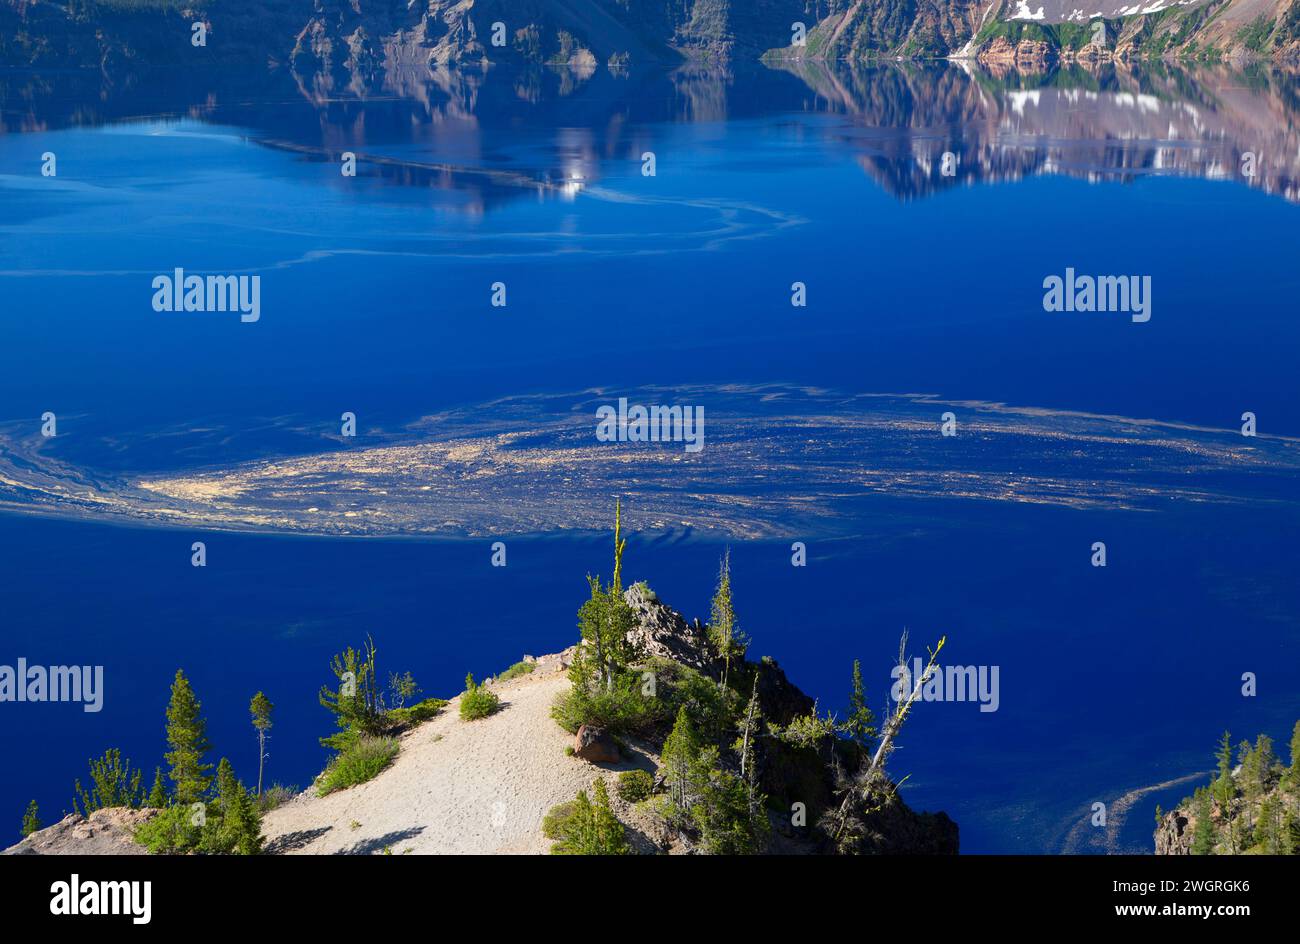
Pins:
x,y
1023,12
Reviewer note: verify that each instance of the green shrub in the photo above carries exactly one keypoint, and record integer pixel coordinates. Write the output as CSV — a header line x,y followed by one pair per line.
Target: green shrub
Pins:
x,y
356,704
418,713
112,783
31,819
620,710
233,823
729,823
275,796
173,831
360,761
809,730
516,670
557,821
714,710
588,827
478,701
635,786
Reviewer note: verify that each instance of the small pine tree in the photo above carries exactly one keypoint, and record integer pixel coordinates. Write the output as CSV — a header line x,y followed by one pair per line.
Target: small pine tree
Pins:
x,y
233,824
577,835
187,737
590,828
609,836
158,793
1225,789
1258,767
1248,783
1289,840
260,708
112,783
1295,755
1203,836
724,813
604,621
1269,832
747,743
724,629
860,725
355,703
1266,756
679,762
31,819
722,616
1223,756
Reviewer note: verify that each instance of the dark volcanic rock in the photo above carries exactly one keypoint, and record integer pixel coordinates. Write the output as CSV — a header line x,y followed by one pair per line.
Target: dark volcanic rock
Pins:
x,y
1174,833
663,633
779,698
595,746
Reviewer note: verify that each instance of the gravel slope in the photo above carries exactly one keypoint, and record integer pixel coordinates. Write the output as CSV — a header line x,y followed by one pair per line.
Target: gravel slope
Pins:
x,y
477,787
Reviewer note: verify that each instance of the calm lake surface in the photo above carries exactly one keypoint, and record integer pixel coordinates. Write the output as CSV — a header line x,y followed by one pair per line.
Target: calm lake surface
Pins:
x,y
376,299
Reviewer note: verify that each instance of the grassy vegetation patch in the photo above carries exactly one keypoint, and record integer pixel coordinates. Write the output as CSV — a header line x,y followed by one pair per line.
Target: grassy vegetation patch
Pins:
x,y
360,761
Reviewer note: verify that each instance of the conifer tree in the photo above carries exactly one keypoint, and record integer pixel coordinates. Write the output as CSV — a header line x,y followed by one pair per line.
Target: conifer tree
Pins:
x,y
748,762
1289,840
679,760
1295,755
1224,787
604,622
1263,762
158,793
355,702
188,739
112,783
860,725
260,708
1269,832
749,732
728,821
592,828
236,825
608,833
1224,756
724,631
577,835
1248,784
31,819
1203,835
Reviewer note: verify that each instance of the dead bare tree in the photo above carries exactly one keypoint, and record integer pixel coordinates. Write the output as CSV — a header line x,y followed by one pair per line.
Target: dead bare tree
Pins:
x,y
870,788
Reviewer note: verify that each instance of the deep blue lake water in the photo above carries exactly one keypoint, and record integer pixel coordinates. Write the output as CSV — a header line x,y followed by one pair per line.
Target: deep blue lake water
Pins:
x,y
375,299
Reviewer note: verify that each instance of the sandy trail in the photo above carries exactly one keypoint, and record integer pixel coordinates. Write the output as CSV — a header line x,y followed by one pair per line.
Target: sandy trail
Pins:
x,y
457,786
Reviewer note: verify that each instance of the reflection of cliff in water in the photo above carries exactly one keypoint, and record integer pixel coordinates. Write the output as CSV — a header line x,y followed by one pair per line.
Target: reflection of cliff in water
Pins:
x,y
1103,123
444,129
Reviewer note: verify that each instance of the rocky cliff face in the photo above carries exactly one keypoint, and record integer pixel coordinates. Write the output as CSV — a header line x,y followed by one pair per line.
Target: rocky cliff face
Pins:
x,y
1174,834
357,37
450,772
790,772
1029,30
1203,29
864,29
1250,809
